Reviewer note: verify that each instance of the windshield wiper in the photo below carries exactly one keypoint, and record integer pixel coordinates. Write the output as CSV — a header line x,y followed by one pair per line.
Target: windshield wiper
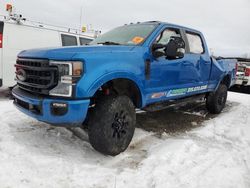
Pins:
x,y
109,43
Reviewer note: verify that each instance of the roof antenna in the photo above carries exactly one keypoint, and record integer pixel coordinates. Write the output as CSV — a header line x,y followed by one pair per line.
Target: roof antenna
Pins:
x,y
80,25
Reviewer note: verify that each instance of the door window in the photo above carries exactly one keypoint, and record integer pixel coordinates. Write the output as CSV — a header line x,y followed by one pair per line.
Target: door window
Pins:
x,y
195,43
165,36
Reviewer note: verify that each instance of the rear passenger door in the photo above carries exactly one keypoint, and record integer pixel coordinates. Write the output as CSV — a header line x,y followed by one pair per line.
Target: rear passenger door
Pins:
x,y
196,68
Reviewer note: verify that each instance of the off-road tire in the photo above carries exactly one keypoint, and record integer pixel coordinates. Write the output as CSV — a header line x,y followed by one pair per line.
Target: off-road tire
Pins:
x,y
216,101
112,124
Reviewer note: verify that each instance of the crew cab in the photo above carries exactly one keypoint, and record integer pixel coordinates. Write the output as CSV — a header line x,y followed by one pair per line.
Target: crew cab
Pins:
x,y
141,66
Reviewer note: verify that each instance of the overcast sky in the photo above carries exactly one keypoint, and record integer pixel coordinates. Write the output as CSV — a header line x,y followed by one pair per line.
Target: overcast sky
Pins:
x,y
225,23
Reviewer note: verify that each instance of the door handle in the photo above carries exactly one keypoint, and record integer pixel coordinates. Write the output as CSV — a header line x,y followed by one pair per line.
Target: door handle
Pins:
x,y
186,63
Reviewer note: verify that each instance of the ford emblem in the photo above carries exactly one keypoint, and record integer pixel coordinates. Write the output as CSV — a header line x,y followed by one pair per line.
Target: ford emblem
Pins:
x,y
21,75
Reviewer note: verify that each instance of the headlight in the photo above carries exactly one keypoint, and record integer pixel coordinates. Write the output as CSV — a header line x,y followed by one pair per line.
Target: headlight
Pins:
x,y
68,75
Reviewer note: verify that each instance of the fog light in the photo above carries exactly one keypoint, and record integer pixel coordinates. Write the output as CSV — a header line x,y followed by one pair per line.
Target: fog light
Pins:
x,y
59,109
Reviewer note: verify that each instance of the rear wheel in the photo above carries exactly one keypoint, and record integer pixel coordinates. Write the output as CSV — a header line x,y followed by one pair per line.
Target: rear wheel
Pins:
x,y
216,101
112,124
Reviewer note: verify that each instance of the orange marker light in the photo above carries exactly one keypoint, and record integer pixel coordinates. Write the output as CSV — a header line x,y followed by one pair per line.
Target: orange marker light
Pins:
x,y
77,69
8,7
137,40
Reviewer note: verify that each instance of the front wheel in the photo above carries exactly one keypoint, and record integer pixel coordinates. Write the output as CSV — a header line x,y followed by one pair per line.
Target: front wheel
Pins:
x,y
216,101
112,124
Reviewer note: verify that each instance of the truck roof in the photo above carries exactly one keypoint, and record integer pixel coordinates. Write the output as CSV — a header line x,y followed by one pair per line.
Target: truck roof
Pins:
x,y
173,25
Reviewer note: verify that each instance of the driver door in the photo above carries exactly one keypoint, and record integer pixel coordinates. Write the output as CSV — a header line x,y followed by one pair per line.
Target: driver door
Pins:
x,y
167,74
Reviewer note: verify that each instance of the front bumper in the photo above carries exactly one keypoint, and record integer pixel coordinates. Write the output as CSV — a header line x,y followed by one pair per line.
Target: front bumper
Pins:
x,y
42,108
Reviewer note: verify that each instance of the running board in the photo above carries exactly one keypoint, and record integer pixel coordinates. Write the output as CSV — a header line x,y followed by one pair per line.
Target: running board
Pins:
x,y
171,103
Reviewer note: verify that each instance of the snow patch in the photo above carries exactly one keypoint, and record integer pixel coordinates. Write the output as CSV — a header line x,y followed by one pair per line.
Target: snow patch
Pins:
x,y
216,154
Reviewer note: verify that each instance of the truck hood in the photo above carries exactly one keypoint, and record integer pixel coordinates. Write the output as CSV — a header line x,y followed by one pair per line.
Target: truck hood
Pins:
x,y
67,53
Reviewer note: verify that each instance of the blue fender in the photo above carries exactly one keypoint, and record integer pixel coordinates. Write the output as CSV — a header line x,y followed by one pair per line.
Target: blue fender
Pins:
x,y
221,69
92,89
221,78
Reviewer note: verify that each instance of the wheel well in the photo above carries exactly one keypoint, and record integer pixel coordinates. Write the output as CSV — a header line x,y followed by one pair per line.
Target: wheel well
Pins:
x,y
226,80
121,87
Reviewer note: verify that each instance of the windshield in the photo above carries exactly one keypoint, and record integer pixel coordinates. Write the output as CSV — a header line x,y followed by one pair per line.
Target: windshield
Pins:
x,y
126,35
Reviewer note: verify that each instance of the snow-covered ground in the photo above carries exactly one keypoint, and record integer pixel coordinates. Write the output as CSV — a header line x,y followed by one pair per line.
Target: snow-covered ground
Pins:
x,y
216,153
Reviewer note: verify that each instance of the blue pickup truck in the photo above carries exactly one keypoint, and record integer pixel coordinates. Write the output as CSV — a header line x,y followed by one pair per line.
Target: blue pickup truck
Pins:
x,y
142,65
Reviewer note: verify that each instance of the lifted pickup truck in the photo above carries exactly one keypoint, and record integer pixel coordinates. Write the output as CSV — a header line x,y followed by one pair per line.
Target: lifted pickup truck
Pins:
x,y
139,65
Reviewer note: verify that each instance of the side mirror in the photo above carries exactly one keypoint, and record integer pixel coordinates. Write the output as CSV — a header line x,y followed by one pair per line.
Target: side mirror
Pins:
x,y
175,48
156,50
157,46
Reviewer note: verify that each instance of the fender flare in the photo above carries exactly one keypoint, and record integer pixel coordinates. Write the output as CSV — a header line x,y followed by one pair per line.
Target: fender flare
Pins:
x,y
117,75
222,78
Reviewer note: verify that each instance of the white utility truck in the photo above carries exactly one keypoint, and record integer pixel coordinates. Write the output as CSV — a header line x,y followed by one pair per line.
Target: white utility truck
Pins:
x,y
18,34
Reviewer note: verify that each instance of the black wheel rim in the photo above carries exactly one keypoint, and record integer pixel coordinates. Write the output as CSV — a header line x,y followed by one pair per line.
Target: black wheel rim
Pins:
x,y
119,125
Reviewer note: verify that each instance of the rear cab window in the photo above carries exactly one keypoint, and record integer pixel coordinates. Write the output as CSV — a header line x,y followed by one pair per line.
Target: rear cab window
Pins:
x,y
68,40
195,43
